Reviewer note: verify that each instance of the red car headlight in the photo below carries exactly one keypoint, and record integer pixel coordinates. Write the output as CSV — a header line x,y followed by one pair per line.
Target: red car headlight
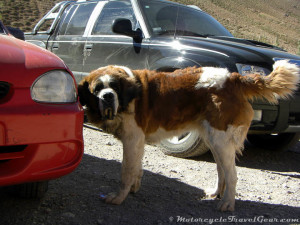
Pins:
x,y
56,86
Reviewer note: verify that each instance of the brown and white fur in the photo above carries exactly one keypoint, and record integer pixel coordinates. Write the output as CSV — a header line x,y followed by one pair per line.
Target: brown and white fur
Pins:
x,y
141,105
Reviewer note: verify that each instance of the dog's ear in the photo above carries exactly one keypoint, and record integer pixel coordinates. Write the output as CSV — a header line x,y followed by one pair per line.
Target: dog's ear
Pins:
x,y
130,91
84,92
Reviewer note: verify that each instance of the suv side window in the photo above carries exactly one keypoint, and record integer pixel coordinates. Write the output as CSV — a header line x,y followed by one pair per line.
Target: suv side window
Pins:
x,y
76,20
111,11
65,19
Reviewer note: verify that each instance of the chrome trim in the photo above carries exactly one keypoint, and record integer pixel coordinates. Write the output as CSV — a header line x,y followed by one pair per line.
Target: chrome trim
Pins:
x,y
292,129
139,17
51,15
37,42
93,18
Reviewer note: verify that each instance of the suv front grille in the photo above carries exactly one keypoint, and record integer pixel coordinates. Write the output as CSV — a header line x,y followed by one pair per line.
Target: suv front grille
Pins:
x,y
4,89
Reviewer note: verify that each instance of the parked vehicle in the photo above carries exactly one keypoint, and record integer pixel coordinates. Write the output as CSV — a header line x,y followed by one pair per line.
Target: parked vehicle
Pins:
x,y
164,36
40,117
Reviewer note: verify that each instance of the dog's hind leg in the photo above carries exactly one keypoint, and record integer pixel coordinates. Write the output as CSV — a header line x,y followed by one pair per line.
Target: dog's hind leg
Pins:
x,y
133,150
225,159
224,145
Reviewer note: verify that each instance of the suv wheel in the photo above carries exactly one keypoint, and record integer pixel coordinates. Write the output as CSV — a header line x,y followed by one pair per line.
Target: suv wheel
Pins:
x,y
279,142
186,145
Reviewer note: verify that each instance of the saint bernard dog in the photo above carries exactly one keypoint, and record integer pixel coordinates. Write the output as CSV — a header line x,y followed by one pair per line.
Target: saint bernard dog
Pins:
x,y
141,105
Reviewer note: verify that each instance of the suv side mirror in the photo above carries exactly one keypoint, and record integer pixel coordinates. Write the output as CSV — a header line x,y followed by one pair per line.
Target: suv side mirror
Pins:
x,y
124,27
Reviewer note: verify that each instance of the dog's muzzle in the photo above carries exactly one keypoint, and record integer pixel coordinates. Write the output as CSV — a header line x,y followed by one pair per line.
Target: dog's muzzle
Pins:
x,y
108,104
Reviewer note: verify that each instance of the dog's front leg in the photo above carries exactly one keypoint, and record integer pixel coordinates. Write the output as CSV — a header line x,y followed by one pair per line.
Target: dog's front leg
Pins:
x,y
220,185
133,151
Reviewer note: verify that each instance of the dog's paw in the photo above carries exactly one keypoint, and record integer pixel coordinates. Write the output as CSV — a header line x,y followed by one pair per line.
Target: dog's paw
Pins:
x,y
136,186
212,193
114,198
225,206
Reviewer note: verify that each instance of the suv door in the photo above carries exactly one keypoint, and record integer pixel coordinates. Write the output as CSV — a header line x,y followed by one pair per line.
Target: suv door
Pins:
x,y
103,47
69,39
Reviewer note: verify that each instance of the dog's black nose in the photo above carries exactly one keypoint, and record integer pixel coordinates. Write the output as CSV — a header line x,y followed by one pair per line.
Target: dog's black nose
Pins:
x,y
108,97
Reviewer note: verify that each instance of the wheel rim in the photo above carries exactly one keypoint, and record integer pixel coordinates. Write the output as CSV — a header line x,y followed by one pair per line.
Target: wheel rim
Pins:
x,y
176,140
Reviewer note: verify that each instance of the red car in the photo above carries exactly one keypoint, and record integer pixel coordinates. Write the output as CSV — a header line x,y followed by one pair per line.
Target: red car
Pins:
x,y
40,117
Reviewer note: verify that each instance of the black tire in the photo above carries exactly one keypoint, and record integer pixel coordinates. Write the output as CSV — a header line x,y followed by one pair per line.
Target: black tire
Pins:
x,y
30,190
279,143
188,145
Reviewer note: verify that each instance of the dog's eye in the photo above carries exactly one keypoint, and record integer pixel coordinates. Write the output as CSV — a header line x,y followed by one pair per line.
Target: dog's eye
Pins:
x,y
98,88
114,85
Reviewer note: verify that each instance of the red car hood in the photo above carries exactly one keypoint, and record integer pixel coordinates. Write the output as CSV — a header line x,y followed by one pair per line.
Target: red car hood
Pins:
x,y
21,62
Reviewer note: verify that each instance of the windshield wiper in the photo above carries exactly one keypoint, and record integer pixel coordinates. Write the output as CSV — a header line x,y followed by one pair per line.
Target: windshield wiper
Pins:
x,y
182,33
188,33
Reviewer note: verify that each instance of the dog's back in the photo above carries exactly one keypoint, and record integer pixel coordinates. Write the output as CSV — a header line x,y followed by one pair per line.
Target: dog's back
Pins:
x,y
171,100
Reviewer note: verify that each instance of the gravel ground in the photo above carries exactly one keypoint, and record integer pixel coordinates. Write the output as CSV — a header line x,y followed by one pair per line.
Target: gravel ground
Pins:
x,y
172,190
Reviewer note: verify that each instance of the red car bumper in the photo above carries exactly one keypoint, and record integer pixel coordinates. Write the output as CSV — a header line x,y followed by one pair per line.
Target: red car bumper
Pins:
x,y
39,142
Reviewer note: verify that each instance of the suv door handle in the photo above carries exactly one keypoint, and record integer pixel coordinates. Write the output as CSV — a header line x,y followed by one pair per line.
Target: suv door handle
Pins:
x,y
88,46
55,46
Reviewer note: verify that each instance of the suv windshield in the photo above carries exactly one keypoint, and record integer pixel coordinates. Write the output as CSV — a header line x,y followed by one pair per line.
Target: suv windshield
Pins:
x,y
172,19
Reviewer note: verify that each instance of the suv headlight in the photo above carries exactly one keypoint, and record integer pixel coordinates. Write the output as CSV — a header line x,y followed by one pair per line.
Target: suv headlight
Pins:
x,y
245,69
293,61
56,86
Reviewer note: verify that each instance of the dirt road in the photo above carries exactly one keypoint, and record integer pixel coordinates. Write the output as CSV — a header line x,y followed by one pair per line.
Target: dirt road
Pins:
x,y
172,190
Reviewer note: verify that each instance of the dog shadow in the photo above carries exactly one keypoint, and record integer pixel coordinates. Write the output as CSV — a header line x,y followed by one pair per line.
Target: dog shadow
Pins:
x,y
256,158
75,199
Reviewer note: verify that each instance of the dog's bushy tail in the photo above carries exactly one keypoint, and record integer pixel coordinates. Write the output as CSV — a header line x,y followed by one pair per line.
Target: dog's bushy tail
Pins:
x,y
280,83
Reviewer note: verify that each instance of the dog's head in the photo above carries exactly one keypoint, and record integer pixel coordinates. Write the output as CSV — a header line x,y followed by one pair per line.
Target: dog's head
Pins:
x,y
108,90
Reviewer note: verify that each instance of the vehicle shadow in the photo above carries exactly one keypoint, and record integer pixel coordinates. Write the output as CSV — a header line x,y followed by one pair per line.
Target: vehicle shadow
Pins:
x,y
75,199
262,159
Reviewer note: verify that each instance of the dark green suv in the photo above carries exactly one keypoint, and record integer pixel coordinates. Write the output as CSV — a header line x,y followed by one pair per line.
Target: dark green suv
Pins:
x,y
163,35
